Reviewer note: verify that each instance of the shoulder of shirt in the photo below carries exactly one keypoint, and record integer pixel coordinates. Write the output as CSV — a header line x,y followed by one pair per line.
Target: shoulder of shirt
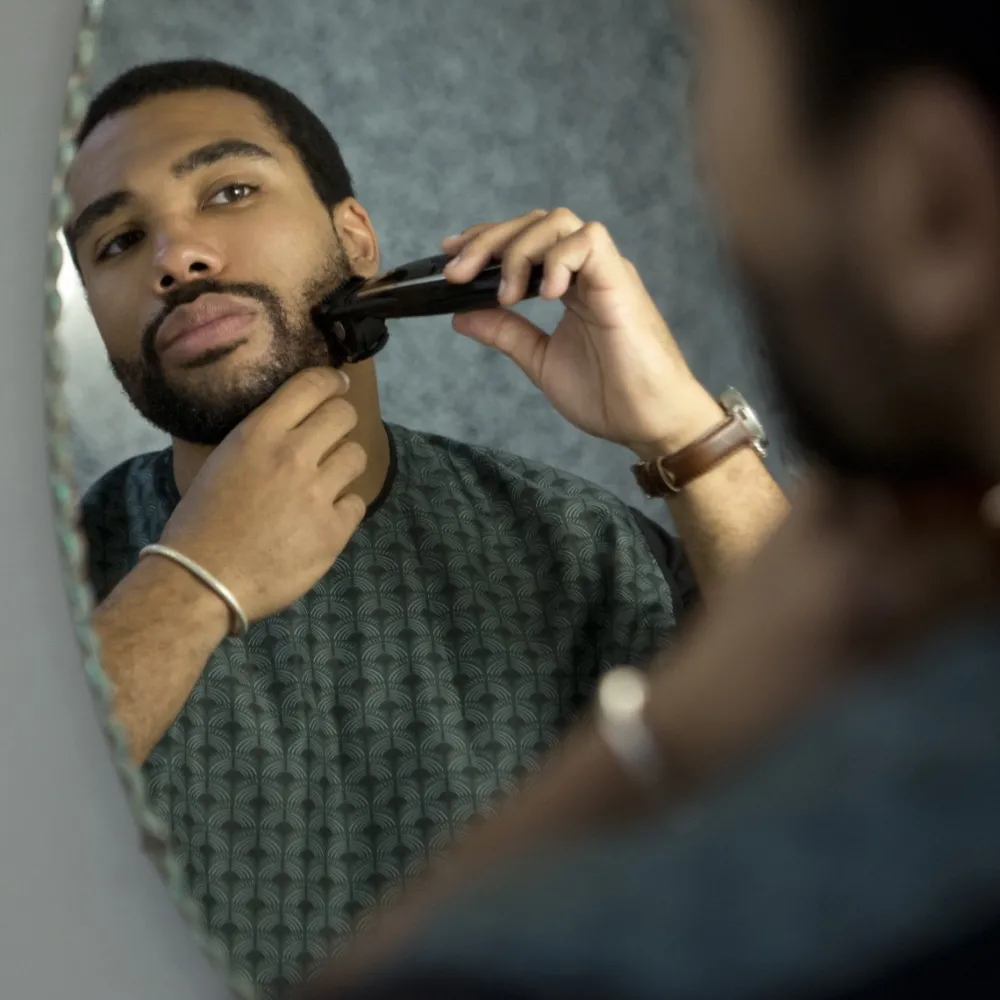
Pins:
x,y
546,481
553,495
109,488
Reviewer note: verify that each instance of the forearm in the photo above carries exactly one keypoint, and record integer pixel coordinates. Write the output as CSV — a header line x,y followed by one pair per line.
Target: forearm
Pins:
x,y
702,722
157,629
583,790
724,516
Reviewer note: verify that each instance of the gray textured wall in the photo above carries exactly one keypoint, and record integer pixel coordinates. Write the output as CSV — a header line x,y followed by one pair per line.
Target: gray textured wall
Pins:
x,y
451,112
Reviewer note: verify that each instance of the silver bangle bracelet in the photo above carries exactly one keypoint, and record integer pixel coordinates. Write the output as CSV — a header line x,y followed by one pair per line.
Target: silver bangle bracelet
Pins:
x,y
622,696
239,623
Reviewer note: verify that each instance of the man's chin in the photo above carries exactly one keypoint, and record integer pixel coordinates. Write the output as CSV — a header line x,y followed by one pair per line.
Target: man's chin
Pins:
x,y
234,353
203,410
203,401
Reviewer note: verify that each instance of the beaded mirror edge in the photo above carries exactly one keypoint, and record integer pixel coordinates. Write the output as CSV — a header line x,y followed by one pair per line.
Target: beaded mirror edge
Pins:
x,y
72,544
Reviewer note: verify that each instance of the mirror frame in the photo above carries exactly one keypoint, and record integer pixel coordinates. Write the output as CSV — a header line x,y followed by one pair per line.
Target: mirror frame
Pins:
x,y
154,835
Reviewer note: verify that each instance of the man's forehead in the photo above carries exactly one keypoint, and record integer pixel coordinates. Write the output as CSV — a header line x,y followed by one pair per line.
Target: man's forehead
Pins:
x,y
152,135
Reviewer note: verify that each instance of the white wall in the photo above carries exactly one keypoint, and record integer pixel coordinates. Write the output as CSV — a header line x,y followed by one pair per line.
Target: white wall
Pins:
x,y
82,914
95,399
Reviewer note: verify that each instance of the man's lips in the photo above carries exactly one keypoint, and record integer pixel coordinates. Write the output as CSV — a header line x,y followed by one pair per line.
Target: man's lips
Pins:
x,y
212,320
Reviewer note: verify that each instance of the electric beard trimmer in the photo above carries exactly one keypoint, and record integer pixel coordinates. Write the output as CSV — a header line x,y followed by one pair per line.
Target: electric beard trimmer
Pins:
x,y
353,317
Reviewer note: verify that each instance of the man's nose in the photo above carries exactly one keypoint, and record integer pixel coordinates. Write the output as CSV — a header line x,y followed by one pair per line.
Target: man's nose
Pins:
x,y
182,258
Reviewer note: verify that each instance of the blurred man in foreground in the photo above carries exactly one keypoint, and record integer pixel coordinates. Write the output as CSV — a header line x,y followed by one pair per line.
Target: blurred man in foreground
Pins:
x,y
851,675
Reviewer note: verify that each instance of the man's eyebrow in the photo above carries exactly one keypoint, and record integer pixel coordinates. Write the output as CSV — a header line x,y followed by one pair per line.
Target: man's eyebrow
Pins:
x,y
203,156
99,209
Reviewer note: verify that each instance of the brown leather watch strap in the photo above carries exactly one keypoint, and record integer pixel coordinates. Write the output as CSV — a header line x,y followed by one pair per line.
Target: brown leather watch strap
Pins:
x,y
671,473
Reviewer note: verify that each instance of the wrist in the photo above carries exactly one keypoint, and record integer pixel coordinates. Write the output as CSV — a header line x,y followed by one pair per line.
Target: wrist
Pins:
x,y
173,589
693,414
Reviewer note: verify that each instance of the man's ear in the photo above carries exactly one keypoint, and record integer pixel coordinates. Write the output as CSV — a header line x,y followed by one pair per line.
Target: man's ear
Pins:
x,y
927,208
357,235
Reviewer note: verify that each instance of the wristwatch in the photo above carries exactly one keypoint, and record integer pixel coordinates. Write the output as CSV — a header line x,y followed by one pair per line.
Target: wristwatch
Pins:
x,y
740,429
621,700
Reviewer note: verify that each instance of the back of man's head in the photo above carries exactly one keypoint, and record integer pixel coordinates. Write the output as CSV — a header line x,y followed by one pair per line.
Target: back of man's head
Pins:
x,y
853,148
849,49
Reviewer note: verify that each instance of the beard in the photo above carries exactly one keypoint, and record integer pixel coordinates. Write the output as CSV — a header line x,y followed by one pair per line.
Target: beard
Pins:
x,y
853,397
205,414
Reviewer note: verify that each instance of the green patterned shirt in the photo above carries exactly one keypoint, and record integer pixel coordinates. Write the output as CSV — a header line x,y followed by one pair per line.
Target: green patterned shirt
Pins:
x,y
320,761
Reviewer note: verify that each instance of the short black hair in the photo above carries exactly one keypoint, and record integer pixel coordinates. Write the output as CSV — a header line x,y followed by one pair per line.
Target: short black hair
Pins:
x,y
846,51
300,127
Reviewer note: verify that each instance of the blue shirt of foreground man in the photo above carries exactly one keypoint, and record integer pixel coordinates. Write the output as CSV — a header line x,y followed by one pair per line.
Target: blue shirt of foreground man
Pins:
x,y
830,752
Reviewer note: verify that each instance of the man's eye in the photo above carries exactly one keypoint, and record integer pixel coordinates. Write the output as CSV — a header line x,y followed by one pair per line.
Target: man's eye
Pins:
x,y
117,246
232,193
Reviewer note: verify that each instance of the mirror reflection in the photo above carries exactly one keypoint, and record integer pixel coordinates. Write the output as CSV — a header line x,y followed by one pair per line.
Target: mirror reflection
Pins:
x,y
349,607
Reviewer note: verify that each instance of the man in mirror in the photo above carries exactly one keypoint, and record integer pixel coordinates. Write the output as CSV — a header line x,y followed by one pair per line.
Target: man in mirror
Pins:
x,y
334,642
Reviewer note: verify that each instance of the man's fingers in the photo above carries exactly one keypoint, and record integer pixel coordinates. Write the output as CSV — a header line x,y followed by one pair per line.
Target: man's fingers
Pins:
x,y
510,334
456,244
325,428
342,467
301,395
481,244
350,511
560,242
488,243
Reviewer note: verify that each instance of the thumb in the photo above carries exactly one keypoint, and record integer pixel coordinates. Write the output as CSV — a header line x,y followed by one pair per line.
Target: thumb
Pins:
x,y
510,334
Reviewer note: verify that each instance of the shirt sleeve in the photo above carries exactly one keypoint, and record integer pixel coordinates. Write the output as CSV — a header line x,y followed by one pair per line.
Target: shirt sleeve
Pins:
x,y
868,834
670,556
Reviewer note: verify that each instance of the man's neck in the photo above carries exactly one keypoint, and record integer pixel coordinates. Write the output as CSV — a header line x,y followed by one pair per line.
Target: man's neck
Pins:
x,y
370,433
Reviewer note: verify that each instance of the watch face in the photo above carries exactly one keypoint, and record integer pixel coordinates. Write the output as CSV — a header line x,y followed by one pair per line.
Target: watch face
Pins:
x,y
734,403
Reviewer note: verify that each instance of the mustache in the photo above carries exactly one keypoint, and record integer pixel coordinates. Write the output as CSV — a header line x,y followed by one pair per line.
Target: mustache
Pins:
x,y
186,294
